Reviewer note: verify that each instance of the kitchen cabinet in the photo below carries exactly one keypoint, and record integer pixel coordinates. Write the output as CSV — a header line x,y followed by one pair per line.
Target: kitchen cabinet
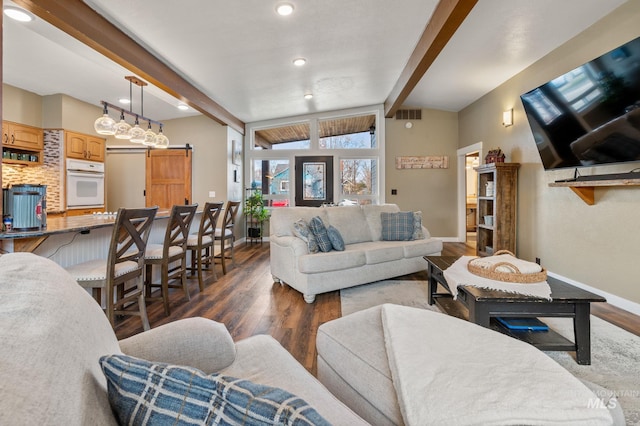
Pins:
x,y
496,210
84,147
22,144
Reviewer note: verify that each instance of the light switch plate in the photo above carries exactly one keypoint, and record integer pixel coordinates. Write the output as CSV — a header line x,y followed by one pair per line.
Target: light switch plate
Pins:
x,y
212,194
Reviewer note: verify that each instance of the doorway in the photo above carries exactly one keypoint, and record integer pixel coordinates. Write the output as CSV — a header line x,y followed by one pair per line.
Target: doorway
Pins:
x,y
468,158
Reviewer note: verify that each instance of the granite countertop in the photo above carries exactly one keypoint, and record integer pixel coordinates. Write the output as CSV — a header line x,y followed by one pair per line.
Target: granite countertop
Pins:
x,y
60,225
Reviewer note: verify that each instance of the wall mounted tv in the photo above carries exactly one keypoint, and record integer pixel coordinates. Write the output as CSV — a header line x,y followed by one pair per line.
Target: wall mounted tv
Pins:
x,y
590,115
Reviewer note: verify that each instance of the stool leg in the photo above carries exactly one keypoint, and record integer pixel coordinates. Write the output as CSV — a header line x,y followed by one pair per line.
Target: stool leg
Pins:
x,y
183,276
200,266
222,256
165,288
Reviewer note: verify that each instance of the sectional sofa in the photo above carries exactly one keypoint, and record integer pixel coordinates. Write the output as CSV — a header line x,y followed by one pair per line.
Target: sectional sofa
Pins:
x,y
366,258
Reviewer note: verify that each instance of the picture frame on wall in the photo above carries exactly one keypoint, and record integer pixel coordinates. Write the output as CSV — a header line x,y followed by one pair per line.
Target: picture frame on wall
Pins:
x,y
236,152
314,181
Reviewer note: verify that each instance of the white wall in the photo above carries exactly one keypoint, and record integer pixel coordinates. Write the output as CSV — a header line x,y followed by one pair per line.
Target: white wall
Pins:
x,y
593,245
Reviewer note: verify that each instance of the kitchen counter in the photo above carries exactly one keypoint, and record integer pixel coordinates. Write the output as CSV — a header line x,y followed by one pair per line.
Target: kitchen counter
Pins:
x,y
59,227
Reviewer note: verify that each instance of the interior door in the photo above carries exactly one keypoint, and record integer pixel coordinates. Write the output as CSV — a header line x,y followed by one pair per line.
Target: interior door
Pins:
x,y
168,177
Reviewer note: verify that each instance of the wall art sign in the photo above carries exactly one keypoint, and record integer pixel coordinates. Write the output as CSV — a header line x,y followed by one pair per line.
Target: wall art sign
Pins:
x,y
423,162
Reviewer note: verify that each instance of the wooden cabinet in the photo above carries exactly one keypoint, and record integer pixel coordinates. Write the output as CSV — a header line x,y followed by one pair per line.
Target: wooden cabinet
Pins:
x,y
84,147
497,205
22,144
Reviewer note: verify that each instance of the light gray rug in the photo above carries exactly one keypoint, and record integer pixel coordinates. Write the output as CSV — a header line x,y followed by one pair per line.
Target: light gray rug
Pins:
x,y
399,292
615,353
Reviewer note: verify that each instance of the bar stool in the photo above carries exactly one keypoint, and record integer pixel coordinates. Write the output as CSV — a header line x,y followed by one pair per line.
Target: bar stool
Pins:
x,y
226,233
173,249
201,244
124,263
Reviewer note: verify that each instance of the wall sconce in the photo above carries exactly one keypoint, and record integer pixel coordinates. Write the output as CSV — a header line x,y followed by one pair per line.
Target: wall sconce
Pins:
x,y
507,118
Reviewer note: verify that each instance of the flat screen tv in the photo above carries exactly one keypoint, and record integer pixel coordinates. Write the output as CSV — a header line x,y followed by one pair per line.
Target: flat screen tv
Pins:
x,y
591,114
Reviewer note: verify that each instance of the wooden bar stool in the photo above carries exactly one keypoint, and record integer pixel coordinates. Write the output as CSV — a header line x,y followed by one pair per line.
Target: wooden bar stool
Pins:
x,y
226,233
172,250
201,244
124,264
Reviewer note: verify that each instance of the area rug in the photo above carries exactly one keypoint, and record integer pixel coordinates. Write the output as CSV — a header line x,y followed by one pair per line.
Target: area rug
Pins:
x,y
615,353
399,292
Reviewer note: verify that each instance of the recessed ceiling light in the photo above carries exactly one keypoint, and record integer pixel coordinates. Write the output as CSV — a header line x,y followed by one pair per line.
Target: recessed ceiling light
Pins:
x,y
124,101
284,9
299,62
183,107
308,96
18,14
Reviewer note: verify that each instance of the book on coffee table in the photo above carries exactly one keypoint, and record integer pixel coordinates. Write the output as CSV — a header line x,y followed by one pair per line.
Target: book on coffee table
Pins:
x,y
523,324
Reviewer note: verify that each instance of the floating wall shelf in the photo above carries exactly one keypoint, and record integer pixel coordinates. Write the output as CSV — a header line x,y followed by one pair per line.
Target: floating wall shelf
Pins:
x,y
585,189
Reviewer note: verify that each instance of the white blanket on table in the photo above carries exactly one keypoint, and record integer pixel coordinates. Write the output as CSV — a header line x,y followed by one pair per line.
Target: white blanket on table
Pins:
x,y
458,274
447,371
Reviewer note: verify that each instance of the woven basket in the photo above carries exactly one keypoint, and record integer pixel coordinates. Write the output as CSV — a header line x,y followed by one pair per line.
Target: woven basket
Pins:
x,y
511,277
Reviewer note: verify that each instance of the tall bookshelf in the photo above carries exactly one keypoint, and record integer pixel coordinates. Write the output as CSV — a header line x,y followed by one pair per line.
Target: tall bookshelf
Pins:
x,y
501,203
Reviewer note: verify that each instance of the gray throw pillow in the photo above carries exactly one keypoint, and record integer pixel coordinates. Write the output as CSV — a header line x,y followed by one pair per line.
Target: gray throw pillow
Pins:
x,y
320,232
336,239
302,231
397,226
417,226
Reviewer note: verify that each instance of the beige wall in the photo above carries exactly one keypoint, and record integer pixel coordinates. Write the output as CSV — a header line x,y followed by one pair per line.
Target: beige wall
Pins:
x,y
21,106
431,190
594,245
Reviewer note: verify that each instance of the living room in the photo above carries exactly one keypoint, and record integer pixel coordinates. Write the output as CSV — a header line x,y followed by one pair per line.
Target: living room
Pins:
x,y
592,246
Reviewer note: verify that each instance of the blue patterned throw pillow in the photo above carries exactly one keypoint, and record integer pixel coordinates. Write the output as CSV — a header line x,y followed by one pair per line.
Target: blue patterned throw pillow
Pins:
x,y
320,232
336,239
397,226
302,231
146,393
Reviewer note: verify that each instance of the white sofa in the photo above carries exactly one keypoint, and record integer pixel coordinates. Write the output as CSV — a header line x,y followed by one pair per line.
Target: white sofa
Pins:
x,y
53,333
366,257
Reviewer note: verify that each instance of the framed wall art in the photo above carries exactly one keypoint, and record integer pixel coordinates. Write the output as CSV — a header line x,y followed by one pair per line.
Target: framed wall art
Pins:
x,y
314,180
236,152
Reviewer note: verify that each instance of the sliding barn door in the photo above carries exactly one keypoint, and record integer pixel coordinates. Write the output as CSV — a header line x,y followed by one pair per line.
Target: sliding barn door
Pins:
x,y
168,177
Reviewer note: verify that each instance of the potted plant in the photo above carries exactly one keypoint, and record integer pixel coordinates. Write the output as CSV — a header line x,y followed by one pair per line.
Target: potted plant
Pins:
x,y
256,212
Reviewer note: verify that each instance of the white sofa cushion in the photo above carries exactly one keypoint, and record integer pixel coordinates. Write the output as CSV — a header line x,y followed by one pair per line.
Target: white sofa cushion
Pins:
x,y
282,219
381,251
332,261
351,222
419,248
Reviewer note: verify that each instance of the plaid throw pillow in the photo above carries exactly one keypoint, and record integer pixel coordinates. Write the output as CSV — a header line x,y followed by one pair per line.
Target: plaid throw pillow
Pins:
x,y
397,226
146,393
320,232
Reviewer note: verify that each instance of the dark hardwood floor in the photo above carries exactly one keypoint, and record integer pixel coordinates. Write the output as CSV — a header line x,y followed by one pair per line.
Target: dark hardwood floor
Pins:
x,y
248,302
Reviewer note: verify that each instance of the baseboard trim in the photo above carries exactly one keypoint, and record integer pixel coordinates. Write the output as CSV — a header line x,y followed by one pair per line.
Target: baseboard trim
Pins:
x,y
612,299
449,239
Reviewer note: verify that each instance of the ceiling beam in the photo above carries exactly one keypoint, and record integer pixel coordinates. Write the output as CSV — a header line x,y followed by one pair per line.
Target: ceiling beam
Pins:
x,y
445,20
81,22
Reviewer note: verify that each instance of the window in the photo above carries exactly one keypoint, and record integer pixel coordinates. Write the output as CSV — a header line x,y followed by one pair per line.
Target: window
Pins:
x,y
358,176
348,132
352,141
292,136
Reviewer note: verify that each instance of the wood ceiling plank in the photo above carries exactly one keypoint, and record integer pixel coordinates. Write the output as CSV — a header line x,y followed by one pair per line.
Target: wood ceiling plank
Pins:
x,y
447,17
81,22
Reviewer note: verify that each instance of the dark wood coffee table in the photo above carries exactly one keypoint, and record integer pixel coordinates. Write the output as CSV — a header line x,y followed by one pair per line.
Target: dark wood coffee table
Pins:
x,y
567,301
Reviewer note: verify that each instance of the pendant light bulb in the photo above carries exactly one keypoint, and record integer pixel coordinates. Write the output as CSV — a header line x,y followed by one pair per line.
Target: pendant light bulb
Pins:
x,y
149,137
105,125
136,132
161,140
122,128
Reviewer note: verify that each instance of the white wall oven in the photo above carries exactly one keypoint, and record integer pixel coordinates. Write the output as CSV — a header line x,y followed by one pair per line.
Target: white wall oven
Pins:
x,y
85,184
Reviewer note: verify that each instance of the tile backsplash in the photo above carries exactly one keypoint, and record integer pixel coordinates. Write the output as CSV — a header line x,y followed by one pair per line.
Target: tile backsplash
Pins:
x,y
50,173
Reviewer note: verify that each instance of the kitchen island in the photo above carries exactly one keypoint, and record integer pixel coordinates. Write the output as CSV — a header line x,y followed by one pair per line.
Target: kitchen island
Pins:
x,y
74,239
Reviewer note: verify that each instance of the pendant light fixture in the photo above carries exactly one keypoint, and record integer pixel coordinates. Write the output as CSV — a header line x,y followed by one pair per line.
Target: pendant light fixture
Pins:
x,y
105,125
122,128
